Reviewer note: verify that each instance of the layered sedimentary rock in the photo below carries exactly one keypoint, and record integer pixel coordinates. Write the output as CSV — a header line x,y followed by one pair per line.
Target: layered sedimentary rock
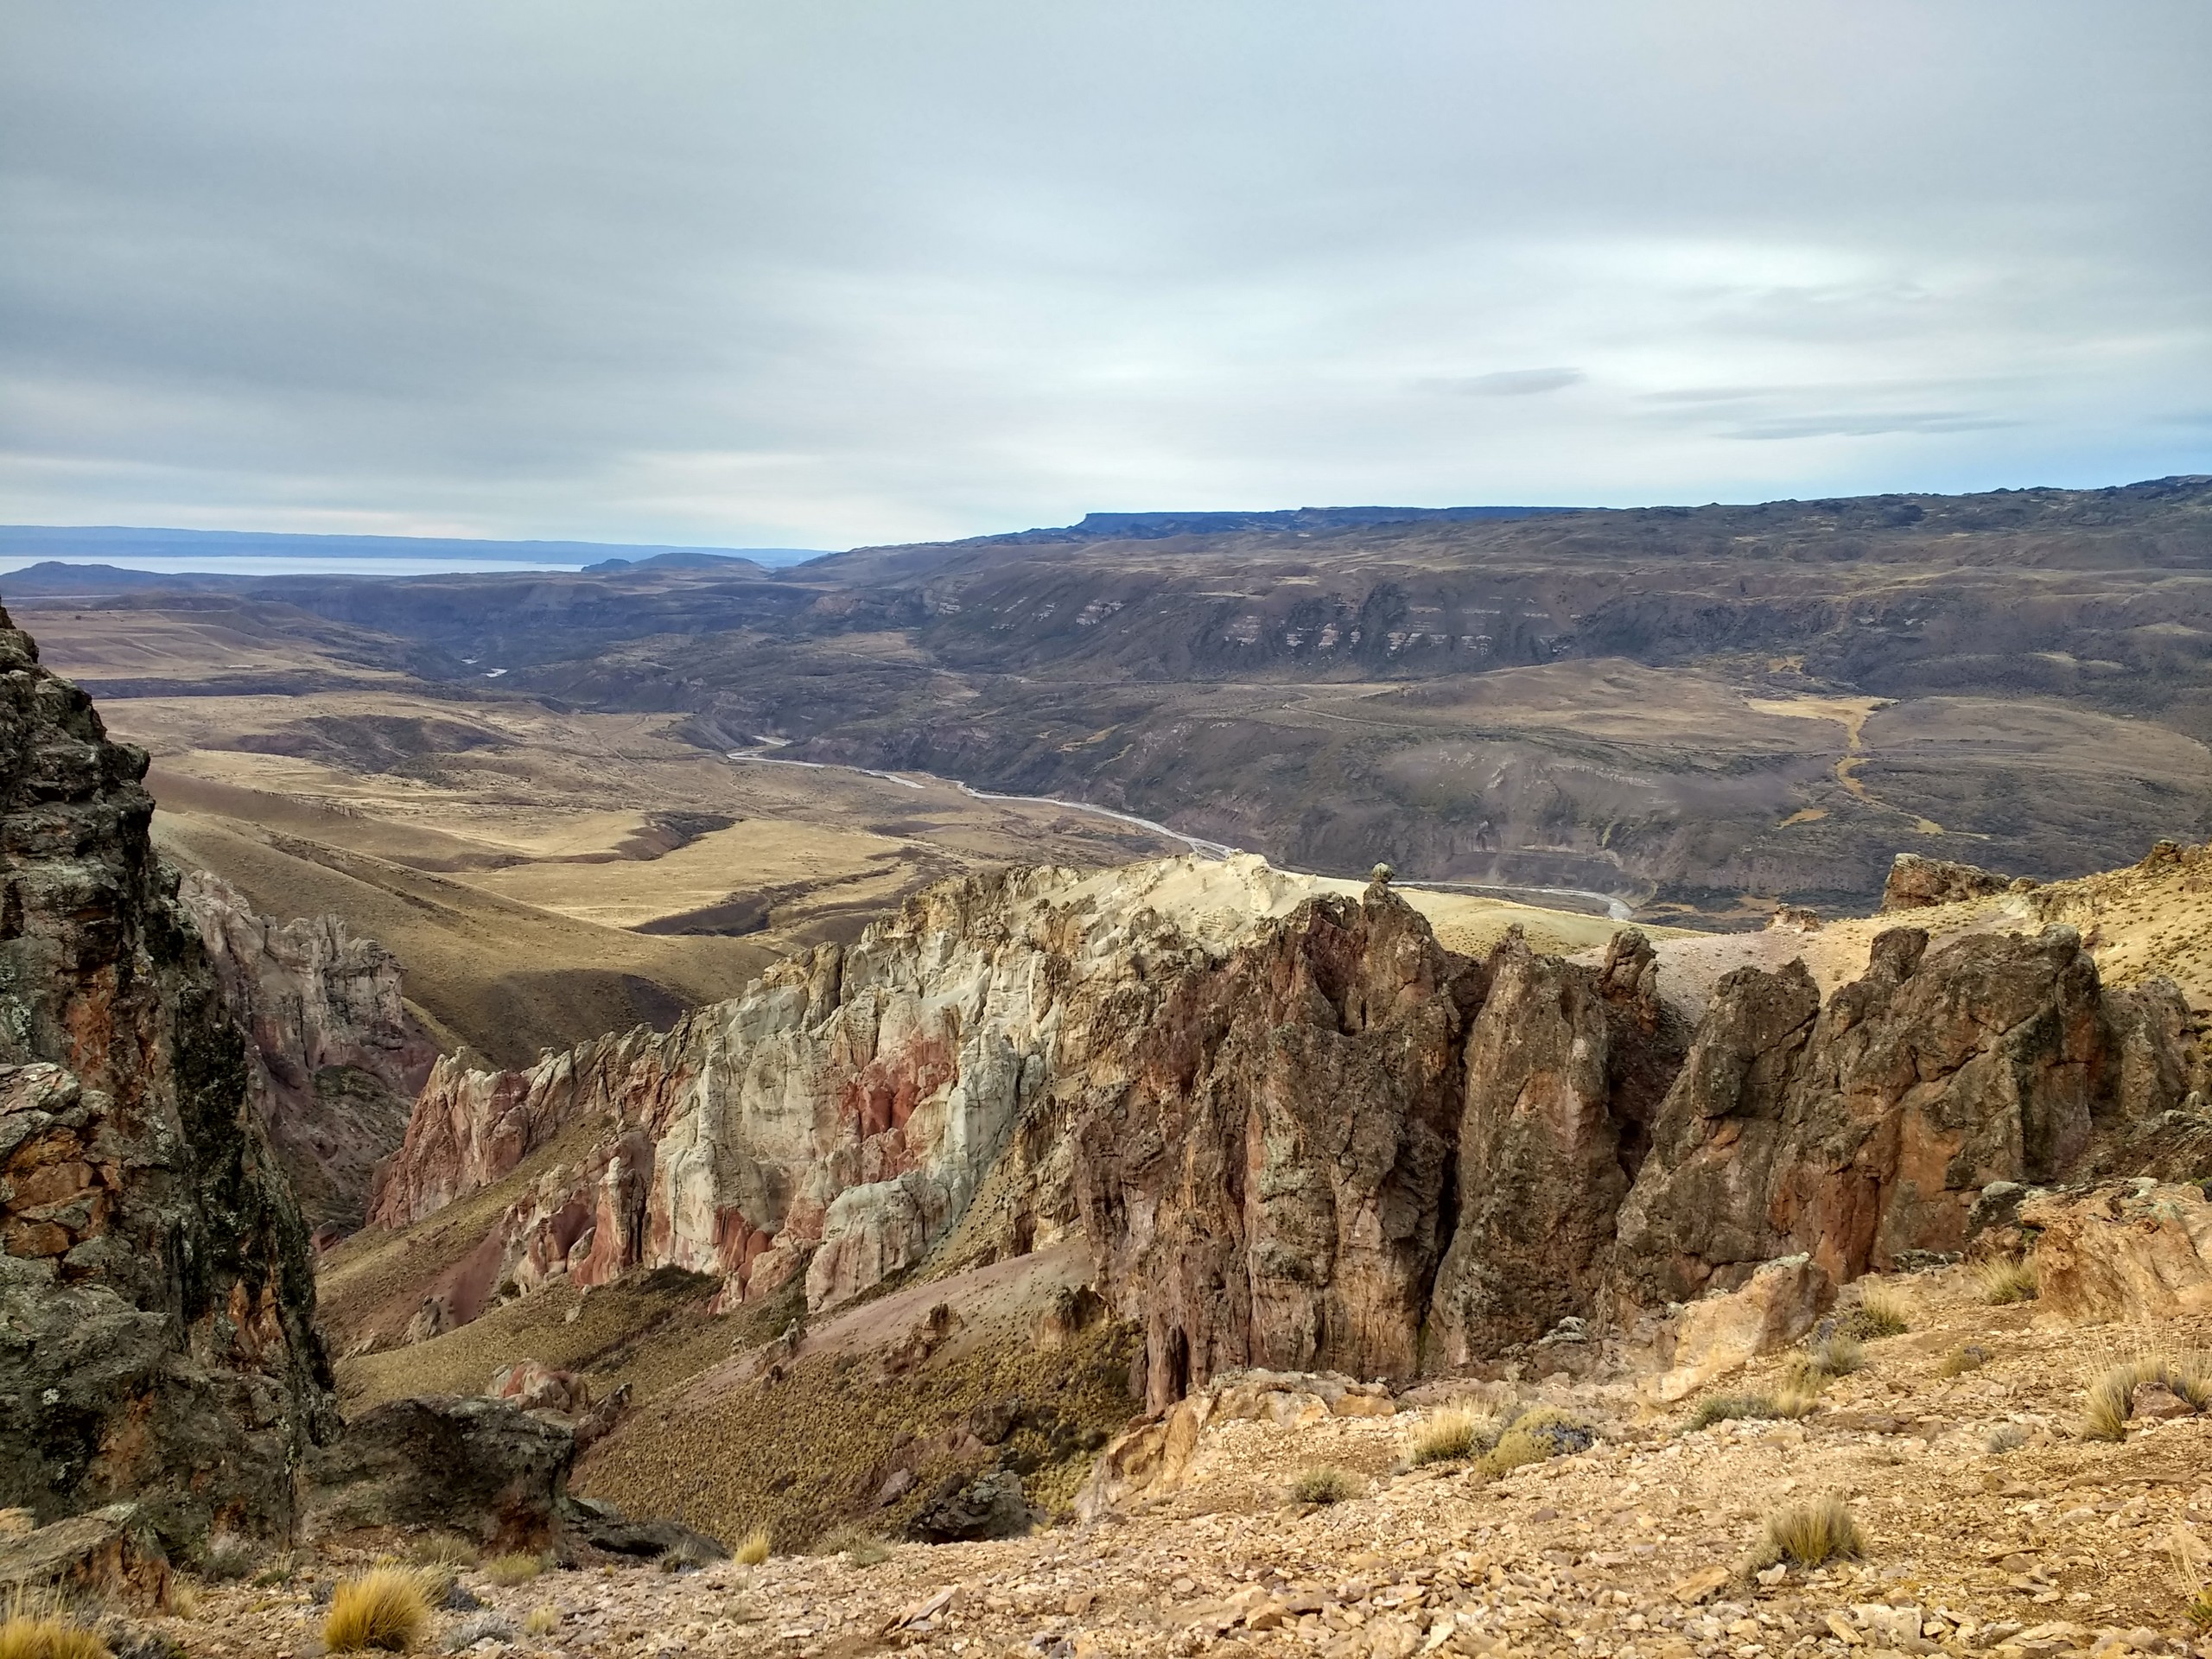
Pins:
x,y
1292,1131
1918,883
336,1057
156,1301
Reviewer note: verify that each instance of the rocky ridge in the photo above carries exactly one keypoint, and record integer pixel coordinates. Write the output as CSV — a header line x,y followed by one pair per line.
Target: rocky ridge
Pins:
x,y
157,1304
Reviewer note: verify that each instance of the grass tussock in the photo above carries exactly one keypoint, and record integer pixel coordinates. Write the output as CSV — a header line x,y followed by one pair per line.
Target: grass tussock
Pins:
x,y
1959,1361
2006,1279
1883,1310
542,1620
1322,1483
2004,1437
2110,1401
1808,1370
753,1548
510,1570
442,1549
386,1608
1536,1435
33,1627
1811,1534
687,1556
859,1549
1453,1434
1789,1403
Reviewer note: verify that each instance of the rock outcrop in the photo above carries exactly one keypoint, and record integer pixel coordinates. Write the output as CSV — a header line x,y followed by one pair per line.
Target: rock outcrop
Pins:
x,y
484,1469
2123,1250
1918,883
337,1059
156,1305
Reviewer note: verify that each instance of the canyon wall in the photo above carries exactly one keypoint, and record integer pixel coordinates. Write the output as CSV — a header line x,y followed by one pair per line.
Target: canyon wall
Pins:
x,y
1294,1130
335,1057
156,1304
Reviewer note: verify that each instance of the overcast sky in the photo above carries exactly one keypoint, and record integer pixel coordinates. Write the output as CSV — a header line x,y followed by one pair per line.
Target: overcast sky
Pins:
x,y
818,273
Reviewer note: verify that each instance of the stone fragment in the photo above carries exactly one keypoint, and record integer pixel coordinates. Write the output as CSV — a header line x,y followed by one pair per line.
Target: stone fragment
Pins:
x,y
2151,1403
2123,1250
1718,1334
990,1506
478,1467
111,1555
1918,883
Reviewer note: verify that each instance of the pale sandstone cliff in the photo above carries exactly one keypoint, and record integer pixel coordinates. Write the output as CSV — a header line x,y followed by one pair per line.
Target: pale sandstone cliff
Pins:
x,y
337,1058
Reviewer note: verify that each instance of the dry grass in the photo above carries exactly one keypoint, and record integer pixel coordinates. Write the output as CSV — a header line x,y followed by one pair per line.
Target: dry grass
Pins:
x,y
1542,1432
753,1548
1452,1433
859,1549
1883,1310
1811,1533
1726,1407
543,1620
2109,1402
1809,1370
35,1627
2006,1279
227,1556
387,1608
1322,1483
442,1549
1959,1361
508,1571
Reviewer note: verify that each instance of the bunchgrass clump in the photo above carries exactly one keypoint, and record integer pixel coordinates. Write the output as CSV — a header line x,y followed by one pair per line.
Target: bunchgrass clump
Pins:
x,y
2006,1279
442,1549
508,1571
1537,1434
387,1609
753,1548
2111,1398
1451,1434
543,1620
2199,1610
34,1626
859,1549
1811,1534
689,1555
1727,1407
1970,1357
1808,1370
1322,1483
1883,1310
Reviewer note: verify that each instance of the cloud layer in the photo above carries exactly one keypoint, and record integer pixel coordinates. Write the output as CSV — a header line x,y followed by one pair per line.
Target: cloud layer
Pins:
x,y
706,271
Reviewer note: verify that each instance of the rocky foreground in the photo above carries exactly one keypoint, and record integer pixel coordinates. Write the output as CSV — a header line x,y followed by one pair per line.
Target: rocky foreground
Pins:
x,y
1989,1527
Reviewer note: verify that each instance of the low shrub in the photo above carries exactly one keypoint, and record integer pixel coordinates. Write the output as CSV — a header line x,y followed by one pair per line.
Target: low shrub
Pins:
x,y
753,1548
1563,1431
387,1608
543,1620
859,1549
1322,1483
2006,1279
1958,1361
508,1571
2105,1412
1811,1534
1808,1370
442,1549
1452,1433
689,1556
1883,1310
1727,1407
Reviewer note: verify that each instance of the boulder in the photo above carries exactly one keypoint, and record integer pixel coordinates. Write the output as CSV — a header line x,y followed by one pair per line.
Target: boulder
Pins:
x,y
481,1468
990,1506
533,1387
2134,1251
109,1556
596,1524
1917,883
1724,1332
157,1341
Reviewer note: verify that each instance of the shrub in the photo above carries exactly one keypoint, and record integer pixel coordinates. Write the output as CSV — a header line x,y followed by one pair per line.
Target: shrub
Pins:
x,y
34,1629
442,1549
386,1608
1972,1357
1883,1310
1725,1407
1563,1431
543,1620
510,1570
1322,1484
1456,1432
687,1556
1811,1534
2199,1611
227,1556
752,1550
466,1634
1513,1450
2104,1415
2006,1279
859,1549
1809,1370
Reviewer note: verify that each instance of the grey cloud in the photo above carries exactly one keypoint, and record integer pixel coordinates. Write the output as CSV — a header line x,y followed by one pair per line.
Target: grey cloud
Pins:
x,y
743,271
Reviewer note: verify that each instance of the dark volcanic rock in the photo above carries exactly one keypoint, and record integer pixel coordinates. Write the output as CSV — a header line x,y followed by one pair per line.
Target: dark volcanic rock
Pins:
x,y
479,1468
1868,1127
1917,883
602,1527
990,1506
156,1305
1564,1068
109,1555
1269,1189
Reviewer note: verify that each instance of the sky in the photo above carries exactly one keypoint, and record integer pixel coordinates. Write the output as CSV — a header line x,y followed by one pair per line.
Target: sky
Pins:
x,y
727,273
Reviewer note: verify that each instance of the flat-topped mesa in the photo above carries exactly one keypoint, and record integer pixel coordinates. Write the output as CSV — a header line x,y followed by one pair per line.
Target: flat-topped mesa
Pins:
x,y
336,1059
153,1276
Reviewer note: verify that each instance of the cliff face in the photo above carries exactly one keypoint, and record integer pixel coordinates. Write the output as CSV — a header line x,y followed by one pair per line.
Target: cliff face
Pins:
x,y
1294,1131
335,1057
155,1300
